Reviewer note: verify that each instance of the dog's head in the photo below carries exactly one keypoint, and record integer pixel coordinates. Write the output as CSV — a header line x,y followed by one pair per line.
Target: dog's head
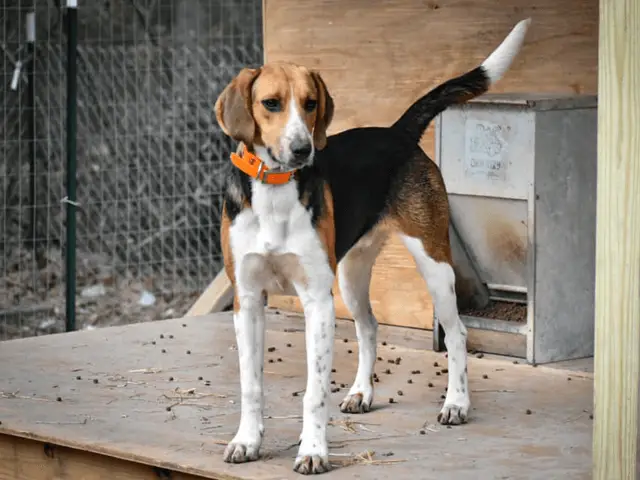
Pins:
x,y
284,108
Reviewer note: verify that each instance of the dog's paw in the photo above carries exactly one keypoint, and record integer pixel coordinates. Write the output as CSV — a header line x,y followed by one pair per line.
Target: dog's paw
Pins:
x,y
356,403
312,464
238,452
452,414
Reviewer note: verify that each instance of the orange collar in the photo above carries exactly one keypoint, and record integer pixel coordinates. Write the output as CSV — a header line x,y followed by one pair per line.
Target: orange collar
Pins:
x,y
256,168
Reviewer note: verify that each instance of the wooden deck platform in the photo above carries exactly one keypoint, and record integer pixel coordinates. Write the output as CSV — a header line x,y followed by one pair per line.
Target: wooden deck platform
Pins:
x,y
160,400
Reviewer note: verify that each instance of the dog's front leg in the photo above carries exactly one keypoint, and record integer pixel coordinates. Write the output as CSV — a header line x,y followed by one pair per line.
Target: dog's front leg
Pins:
x,y
250,329
313,454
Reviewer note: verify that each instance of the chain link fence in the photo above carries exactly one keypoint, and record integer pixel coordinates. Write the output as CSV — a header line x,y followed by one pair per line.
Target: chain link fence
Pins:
x,y
149,153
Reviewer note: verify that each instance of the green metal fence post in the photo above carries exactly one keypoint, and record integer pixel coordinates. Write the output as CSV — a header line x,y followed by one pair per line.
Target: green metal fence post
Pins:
x,y
71,203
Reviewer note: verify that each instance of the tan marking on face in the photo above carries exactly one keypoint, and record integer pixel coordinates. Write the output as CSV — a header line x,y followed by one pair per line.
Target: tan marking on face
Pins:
x,y
290,85
242,115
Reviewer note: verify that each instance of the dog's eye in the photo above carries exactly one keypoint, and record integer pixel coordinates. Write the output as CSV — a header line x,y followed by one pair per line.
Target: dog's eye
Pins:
x,y
271,104
310,105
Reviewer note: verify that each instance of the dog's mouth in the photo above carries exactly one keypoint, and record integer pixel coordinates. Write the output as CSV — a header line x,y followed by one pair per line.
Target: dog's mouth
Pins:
x,y
285,166
275,158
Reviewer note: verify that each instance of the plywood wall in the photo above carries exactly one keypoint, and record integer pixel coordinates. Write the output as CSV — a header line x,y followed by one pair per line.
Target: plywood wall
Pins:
x,y
378,56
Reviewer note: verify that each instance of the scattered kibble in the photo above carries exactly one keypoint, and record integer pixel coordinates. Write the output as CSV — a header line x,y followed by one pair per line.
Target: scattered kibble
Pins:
x,y
170,336
95,380
387,371
78,377
515,362
379,359
161,335
289,345
485,376
58,399
384,343
390,361
168,409
294,394
376,379
400,393
171,379
207,383
398,360
437,374
349,351
445,370
342,385
409,381
391,400
415,372
534,364
188,352
422,432
271,360
591,416
480,355
443,397
271,349
333,382
335,389
333,370
279,359
200,378
568,379
345,340
153,342
164,350
430,385
528,412
435,364
184,325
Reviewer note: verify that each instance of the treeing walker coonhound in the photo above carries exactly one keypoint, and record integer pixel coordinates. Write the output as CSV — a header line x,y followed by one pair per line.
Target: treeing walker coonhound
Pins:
x,y
299,205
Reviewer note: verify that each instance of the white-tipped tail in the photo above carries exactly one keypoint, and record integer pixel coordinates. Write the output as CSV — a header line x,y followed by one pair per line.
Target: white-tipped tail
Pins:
x,y
500,60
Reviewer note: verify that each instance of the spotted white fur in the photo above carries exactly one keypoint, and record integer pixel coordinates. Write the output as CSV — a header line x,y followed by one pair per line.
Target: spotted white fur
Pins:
x,y
440,280
278,226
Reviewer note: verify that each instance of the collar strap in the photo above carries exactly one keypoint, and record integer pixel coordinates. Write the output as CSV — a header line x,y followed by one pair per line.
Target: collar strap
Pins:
x,y
256,168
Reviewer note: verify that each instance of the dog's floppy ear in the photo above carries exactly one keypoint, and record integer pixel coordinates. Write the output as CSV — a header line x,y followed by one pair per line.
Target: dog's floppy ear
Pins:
x,y
324,112
233,107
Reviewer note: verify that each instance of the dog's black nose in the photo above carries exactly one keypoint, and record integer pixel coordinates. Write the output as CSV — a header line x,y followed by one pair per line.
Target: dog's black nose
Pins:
x,y
301,150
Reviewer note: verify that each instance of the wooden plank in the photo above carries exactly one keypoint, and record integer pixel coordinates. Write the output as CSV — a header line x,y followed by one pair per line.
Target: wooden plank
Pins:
x,y
24,459
217,296
617,303
379,57
499,343
124,416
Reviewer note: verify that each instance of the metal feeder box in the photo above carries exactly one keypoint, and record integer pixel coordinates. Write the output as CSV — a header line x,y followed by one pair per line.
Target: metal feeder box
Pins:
x,y
520,170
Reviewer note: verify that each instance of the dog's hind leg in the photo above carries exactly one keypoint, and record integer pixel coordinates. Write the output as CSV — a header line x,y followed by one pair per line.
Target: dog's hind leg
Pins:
x,y
354,275
435,267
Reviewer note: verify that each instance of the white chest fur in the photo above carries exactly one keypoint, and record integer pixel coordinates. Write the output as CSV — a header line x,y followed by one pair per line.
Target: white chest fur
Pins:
x,y
274,243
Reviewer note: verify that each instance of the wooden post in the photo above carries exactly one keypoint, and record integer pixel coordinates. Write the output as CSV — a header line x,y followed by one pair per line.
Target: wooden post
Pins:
x,y
617,303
